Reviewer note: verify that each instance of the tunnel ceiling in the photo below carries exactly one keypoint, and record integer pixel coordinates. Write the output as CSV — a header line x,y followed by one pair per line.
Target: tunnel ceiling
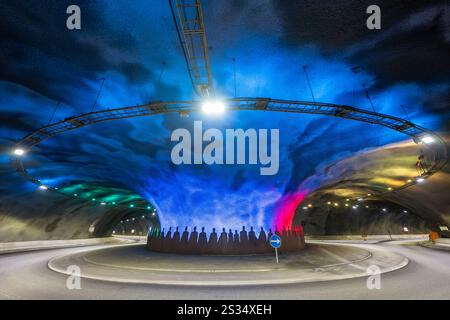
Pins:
x,y
404,67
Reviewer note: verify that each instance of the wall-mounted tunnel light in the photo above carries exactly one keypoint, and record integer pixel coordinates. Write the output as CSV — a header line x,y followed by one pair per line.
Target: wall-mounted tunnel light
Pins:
x,y
43,187
328,202
390,188
354,207
103,203
305,208
405,211
360,199
384,209
213,107
336,204
19,152
309,205
427,139
131,205
419,180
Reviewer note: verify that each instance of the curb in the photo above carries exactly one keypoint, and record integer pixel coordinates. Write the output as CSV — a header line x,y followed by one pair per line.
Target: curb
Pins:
x,y
224,283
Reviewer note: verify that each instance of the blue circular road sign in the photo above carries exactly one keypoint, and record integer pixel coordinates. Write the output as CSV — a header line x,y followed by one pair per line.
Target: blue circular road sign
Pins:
x,y
275,241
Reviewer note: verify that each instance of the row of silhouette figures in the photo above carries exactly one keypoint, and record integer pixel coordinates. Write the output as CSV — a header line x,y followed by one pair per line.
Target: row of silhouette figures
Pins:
x,y
230,242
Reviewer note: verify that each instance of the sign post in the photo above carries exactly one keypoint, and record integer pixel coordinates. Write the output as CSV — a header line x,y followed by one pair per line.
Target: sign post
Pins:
x,y
275,242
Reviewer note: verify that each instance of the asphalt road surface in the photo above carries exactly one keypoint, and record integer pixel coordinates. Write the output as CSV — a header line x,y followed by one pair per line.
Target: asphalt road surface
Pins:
x,y
427,276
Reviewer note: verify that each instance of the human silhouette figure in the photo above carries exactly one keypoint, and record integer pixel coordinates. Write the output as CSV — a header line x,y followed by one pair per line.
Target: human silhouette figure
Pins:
x,y
252,239
202,241
277,232
270,234
236,242
161,238
175,243
230,242
184,240
284,232
244,244
168,236
243,236
262,236
222,243
236,239
193,246
262,241
212,243
176,236
168,240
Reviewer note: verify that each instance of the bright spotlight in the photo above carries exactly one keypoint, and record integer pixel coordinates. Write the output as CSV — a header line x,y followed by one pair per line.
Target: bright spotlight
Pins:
x,y
420,180
405,229
384,209
427,139
42,187
354,207
19,152
360,199
213,107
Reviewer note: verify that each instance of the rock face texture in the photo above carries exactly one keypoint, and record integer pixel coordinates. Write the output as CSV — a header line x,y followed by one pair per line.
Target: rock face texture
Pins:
x,y
29,214
420,208
46,216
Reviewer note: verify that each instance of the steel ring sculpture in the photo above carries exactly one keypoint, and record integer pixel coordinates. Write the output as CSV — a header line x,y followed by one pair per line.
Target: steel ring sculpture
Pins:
x,y
417,133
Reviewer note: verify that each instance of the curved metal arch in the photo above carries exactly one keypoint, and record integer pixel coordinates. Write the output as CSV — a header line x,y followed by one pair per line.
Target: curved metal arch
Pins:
x,y
439,148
